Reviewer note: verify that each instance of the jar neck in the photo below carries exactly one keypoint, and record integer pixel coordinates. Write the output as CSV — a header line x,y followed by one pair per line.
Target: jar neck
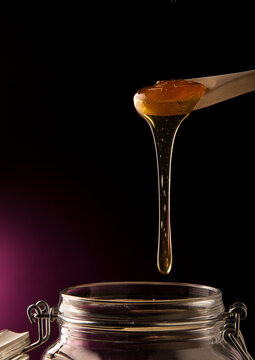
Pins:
x,y
142,313
211,333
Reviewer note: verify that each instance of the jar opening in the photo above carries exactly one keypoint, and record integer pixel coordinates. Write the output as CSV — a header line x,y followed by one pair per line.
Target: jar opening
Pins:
x,y
141,292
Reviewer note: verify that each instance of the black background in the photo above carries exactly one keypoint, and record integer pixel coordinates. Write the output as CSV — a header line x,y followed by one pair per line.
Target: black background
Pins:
x,y
77,163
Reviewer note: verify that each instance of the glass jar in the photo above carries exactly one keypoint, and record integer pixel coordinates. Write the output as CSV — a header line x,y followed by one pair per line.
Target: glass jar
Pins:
x,y
146,321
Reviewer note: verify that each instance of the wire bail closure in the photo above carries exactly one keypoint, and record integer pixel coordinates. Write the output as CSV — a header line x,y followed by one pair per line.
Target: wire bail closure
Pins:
x,y
232,332
44,315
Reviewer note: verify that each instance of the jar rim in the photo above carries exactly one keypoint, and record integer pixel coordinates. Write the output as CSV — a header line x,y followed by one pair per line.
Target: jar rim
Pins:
x,y
91,292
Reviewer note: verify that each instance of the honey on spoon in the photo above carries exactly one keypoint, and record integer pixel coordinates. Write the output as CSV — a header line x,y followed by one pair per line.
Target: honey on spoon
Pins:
x,y
164,106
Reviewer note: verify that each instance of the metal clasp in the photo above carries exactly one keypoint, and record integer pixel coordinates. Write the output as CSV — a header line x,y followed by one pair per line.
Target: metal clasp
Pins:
x,y
44,315
232,333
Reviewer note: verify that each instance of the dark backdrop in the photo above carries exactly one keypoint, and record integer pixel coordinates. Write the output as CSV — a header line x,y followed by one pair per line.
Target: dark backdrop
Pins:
x,y
78,182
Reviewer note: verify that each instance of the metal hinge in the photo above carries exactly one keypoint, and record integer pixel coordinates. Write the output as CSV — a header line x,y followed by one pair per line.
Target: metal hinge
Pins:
x,y
232,332
42,313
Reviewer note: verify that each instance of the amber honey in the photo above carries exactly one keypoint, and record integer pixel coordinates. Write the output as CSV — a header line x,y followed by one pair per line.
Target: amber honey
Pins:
x,y
165,105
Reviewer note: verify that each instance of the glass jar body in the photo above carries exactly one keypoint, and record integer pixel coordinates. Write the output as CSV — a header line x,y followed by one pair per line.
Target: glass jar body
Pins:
x,y
141,321
67,348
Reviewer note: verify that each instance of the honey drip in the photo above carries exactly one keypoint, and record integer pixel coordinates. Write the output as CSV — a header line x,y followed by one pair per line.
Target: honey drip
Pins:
x,y
164,106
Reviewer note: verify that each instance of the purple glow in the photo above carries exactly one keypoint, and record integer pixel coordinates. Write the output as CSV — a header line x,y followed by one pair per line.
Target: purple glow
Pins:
x,y
47,243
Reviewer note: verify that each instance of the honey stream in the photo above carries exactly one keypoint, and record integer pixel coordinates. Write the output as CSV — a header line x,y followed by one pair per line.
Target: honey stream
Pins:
x,y
164,106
